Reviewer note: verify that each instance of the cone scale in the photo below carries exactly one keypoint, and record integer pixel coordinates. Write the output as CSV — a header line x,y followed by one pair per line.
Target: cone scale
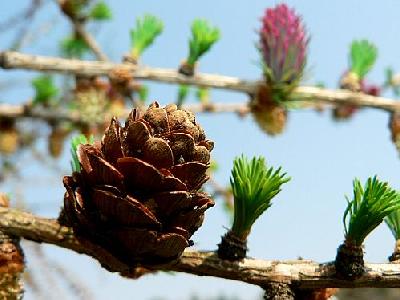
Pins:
x,y
137,193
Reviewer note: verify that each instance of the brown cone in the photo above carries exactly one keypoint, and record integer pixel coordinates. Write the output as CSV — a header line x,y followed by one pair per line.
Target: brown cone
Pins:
x,y
137,193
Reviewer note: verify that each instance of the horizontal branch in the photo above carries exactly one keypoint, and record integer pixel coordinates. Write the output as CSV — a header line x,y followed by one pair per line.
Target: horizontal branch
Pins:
x,y
302,274
16,60
57,115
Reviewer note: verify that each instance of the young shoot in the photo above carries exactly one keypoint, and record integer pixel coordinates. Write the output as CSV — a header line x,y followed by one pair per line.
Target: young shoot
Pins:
x,y
143,93
75,142
143,35
45,90
369,206
183,92
253,186
363,55
203,37
100,12
74,47
393,222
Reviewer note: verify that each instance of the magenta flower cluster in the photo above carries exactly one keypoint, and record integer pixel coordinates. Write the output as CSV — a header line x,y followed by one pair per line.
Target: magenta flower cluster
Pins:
x,y
283,45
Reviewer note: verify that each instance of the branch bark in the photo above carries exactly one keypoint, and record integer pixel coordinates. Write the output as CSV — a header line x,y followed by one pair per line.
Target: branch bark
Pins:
x,y
301,274
57,115
16,60
11,263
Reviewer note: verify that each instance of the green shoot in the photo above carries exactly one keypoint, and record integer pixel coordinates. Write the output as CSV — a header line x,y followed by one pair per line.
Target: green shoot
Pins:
x,y
390,82
143,93
393,222
253,186
183,92
74,47
45,90
100,12
363,55
370,205
75,142
203,37
203,95
144,34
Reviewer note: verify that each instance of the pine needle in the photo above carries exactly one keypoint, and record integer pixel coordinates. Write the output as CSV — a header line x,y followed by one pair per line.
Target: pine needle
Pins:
x,y
369,206
143,35
203,37
363,55
253,186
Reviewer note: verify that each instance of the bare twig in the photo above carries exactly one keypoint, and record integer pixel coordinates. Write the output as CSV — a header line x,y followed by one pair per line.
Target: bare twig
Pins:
x,y
301,274
20,17
89,40
79,28
24,31
15,60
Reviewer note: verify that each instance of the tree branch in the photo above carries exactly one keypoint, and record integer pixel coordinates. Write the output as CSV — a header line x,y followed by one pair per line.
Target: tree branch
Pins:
x,y
79,28
89,40
57,115
15,60
302,274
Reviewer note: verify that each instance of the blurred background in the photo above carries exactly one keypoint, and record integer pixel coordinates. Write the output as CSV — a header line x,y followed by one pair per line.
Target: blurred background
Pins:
x,y
321,155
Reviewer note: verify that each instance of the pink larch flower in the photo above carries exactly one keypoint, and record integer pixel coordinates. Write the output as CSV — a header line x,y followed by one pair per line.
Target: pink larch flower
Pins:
x,y
283,45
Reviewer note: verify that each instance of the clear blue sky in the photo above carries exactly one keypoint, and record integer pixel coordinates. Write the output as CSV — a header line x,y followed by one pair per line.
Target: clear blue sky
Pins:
x,y
321,156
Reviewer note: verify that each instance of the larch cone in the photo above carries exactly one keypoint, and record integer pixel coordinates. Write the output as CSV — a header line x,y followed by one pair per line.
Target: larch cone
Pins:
x,y
137,193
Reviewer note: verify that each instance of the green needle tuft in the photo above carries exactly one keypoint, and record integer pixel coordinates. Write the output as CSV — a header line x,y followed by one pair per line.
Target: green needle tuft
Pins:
x,y
253,186
369,206
363,55
101,12
45,90
183,92
74,47
143,35
393,222
203,37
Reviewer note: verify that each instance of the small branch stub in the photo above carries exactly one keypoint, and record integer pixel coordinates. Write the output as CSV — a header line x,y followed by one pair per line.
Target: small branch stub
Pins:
x,y
278,291
11,263
231,247
349,261
395,257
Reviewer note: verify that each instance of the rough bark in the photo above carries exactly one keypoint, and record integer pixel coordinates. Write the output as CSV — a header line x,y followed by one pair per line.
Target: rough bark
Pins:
x,y
300,274
16,60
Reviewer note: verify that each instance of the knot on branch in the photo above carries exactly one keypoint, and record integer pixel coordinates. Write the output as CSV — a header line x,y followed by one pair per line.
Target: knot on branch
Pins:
x,y
11,263
278,291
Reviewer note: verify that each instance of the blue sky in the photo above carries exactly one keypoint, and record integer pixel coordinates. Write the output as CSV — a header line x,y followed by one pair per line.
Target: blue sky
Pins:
x,y
321,156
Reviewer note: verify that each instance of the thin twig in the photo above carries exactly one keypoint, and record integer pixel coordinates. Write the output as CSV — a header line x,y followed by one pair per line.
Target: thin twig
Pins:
x,y
303,274
24,31
20,17
79,28
90,41
15,60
